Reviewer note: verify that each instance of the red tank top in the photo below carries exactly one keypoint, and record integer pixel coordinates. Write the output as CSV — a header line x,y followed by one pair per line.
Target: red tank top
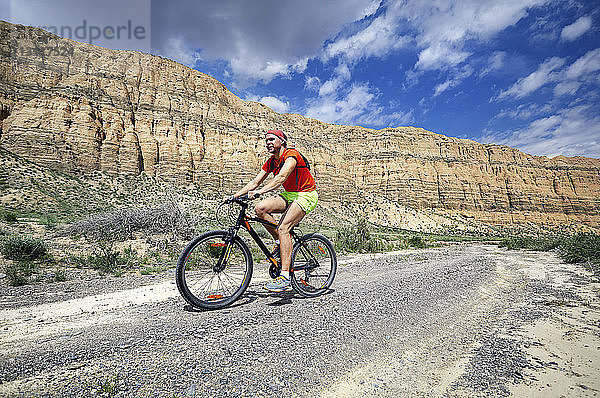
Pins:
x,y
300,180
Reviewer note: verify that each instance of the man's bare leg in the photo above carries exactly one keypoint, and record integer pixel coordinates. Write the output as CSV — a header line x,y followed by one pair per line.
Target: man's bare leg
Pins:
x,y
292,217
266,207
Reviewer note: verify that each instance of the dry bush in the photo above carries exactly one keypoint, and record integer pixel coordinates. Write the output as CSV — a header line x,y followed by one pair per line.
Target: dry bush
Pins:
x,y
163,226
119,225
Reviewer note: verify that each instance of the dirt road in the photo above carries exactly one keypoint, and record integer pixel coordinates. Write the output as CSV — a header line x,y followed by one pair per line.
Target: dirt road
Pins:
x,y
457,321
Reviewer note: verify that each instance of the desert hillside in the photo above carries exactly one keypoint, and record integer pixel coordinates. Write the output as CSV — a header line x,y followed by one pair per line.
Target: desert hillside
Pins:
x,y
79,109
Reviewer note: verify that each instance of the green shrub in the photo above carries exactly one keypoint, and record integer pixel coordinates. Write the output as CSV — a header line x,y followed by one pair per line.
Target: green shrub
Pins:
x,y
20,273
416,241
107,260
20,248
49,220
106,386
581,247
531,243
8,216
357,239
153,270
60,275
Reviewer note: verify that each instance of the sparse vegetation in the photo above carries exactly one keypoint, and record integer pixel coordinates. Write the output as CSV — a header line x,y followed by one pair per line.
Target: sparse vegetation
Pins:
x,y
8,216
20,248
538,243
416,241
49,220
365,238
357,239
121,224
582,248
27,256
107,260
60,275
578,248
153,270
20,273
105,230
105,387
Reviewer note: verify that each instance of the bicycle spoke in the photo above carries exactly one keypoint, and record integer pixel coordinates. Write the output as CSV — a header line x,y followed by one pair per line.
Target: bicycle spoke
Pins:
x,y
232,279
199,278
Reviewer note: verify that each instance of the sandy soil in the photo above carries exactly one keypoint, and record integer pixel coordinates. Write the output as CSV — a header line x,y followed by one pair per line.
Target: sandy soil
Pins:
x,y
566,345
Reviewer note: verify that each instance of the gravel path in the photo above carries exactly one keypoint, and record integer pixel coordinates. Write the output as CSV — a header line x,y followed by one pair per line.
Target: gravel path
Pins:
x,y
437,322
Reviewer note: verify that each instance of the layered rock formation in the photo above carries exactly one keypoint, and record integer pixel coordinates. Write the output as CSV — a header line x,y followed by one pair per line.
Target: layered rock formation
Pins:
x,y
78,108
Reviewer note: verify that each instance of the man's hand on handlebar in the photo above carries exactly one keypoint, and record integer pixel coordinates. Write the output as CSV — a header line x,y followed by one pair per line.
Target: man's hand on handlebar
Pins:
x,y
253,194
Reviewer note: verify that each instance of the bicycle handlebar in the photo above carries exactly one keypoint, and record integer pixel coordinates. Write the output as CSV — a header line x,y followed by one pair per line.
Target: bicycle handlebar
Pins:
x,y
242,199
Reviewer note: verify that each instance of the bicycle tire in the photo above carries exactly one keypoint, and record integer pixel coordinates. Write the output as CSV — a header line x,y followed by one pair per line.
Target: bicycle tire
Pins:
x,y
314,264
198,282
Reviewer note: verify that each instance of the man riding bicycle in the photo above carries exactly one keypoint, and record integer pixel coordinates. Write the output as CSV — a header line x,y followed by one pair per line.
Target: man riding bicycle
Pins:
x,y
300,197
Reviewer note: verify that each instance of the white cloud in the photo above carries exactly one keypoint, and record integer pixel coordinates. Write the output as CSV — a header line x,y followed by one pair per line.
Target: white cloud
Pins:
x,y
342,74
272,102
445,25
341,108
525,112
312,83
455,80
566,88
439,28
177,50
339,103
440,56
378,39
354,105
259,39
276,104
588,63
568,80
543,75
495,62
570,132
576,29
262,39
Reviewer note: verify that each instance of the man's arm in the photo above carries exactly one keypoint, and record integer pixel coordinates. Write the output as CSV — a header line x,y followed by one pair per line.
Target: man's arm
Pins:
x,y
280,178
260,177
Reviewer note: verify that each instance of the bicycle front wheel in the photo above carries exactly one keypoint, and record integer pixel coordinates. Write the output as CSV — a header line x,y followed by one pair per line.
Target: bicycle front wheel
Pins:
x,y
314,264
203,283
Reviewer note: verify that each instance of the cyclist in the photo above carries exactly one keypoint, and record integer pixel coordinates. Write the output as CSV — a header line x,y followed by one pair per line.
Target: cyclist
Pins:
x,y
299,198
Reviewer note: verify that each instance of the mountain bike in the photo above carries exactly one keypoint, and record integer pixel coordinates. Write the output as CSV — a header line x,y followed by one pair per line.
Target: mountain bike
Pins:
x,y
215,268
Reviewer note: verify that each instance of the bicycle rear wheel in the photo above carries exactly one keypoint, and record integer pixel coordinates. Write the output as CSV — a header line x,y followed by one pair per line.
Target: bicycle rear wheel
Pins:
x,y
201,283
314,265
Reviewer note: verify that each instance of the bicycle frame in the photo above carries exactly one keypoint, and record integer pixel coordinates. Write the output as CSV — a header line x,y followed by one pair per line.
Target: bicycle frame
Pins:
x,y
244,220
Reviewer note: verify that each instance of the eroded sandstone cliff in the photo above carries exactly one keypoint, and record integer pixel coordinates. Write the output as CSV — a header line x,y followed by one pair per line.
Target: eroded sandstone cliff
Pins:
x,y
78,108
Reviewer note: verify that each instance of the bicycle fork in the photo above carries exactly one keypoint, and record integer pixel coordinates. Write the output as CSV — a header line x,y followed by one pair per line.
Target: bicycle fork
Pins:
x,y
229,239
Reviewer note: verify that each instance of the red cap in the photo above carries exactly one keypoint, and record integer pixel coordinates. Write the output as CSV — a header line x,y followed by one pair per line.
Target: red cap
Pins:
x,y
278,133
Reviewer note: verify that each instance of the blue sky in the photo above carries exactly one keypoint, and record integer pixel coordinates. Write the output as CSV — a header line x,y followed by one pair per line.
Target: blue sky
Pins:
x,y
525,73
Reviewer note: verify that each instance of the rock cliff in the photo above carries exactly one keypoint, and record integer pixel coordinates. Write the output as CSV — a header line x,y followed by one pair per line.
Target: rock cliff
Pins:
x,y
79,108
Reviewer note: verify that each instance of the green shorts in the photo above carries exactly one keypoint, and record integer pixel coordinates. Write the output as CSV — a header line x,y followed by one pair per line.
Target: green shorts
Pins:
x,y
306,200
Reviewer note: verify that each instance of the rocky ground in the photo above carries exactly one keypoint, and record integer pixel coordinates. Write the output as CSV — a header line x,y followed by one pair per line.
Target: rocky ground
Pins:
x,y
467,320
